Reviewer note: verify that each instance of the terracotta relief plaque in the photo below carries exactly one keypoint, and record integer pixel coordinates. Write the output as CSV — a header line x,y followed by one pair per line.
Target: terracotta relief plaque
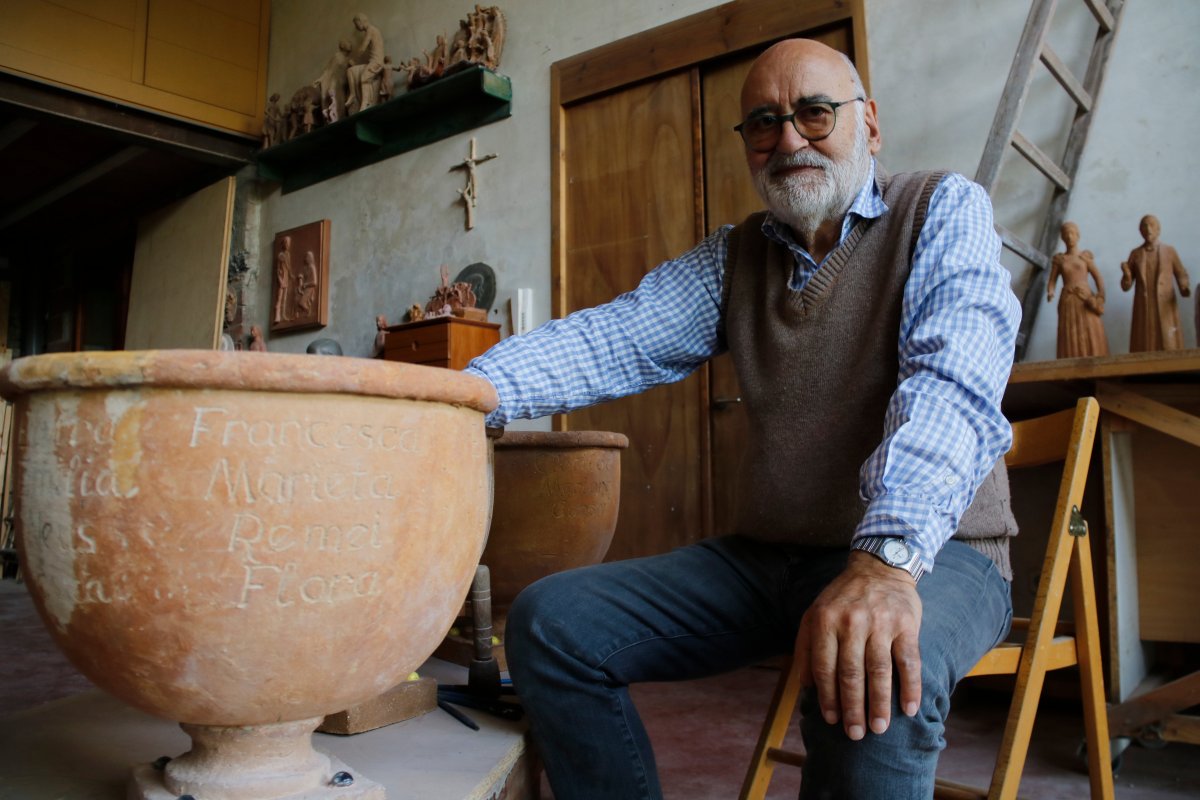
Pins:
x,y
300,278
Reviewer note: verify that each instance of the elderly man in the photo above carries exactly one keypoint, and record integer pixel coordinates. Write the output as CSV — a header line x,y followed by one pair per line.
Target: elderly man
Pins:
x,y
872,329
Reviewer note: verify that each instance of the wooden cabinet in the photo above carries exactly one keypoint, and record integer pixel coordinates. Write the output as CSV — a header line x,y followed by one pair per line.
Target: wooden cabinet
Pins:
x,y
443,342
204,61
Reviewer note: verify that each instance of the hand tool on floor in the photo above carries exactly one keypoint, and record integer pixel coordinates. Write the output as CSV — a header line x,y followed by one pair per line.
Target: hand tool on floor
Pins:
x,y
483,676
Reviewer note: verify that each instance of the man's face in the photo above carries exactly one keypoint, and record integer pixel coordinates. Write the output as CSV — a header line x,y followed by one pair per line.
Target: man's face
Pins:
x,y
1149,229
805,183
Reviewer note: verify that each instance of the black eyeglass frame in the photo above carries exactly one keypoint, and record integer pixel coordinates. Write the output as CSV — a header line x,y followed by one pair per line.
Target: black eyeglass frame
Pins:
x,y
782,118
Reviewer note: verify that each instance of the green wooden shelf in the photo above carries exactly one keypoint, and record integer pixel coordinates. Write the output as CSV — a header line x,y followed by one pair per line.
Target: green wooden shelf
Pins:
x,y
455,103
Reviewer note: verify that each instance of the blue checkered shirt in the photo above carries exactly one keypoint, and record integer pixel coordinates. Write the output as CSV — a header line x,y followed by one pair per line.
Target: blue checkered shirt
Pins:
x,y
943,432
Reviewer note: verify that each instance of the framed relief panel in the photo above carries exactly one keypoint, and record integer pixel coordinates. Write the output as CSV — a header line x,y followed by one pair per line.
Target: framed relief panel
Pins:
x,y
300,278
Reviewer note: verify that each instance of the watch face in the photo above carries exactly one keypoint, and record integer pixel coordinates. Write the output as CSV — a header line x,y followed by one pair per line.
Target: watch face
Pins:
x,y
895,551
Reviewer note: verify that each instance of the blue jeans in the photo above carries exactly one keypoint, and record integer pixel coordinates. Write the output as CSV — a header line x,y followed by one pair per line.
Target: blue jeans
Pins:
x,y
576,640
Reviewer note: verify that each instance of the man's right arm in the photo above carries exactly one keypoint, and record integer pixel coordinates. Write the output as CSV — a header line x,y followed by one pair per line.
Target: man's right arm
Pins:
x,y
658,333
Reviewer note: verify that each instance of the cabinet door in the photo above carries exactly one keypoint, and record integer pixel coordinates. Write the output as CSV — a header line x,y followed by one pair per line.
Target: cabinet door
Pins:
x,y
629,204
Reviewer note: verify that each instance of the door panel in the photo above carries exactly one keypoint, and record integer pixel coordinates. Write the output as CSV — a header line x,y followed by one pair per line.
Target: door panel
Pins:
x,y
177,296
729,197
629,205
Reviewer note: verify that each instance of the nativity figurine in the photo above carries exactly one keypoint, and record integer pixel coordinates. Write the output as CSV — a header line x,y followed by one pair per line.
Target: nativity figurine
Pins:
x,y
381,328
1152,271
1080,310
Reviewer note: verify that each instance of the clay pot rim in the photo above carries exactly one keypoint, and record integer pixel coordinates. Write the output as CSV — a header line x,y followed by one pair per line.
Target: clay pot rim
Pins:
x,y
562,439
244,371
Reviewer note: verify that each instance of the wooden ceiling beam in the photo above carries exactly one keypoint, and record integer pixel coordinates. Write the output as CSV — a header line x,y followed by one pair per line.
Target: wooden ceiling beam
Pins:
x,y
71,184
15,130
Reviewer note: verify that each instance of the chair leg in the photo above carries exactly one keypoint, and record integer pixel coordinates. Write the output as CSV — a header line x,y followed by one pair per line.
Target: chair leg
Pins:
x,y
1087,644
1031,673
783,706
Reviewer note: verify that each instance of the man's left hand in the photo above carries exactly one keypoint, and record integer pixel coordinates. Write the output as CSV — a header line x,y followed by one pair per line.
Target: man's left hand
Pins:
x,y
866,620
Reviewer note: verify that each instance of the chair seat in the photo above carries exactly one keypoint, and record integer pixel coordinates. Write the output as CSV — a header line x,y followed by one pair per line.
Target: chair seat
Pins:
x,y
1003,659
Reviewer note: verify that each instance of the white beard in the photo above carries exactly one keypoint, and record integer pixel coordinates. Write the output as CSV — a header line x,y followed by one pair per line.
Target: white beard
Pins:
x,y
805,202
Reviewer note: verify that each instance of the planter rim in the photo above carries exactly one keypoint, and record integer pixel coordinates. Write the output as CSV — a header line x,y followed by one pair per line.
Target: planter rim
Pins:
x,y
562,439
244,371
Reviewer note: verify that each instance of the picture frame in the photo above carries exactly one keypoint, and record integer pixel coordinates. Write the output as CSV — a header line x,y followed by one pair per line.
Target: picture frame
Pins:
x,y
300,278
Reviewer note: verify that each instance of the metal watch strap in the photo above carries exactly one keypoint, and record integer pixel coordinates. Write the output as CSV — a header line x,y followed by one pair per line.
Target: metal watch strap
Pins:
x,y
893,551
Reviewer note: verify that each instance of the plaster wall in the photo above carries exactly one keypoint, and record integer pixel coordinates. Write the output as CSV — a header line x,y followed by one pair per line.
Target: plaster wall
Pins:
x,y
937,70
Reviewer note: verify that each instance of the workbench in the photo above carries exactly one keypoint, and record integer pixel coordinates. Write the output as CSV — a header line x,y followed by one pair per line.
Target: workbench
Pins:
x,y
1149,440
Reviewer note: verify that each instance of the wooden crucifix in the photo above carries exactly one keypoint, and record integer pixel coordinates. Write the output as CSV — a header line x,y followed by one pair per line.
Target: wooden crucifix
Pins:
x,y
470,195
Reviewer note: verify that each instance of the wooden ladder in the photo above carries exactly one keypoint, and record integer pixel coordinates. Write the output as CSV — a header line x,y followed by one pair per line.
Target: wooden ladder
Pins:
x,y
1032,48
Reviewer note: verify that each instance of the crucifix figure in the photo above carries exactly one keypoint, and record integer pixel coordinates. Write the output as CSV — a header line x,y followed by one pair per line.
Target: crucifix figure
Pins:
x,y
470,195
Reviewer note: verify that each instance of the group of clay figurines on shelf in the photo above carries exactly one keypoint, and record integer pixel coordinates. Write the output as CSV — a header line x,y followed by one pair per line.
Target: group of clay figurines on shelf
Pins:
x,y
449,300
1152,272
359,75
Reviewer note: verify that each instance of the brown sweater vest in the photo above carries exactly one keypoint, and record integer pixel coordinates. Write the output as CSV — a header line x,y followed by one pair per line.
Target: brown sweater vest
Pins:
x,y
817,369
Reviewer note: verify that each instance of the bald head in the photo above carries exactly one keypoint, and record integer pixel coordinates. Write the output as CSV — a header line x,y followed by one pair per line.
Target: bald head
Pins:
x,y
805,56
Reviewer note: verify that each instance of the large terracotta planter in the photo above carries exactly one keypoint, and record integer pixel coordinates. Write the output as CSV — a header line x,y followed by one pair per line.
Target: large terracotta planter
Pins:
x,y
246,542
556,502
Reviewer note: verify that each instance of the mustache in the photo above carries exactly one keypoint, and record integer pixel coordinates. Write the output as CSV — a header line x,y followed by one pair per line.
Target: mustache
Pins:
x,y
801,158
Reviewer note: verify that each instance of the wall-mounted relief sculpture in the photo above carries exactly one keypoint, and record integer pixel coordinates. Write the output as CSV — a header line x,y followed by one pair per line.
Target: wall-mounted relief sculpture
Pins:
x,y
300,278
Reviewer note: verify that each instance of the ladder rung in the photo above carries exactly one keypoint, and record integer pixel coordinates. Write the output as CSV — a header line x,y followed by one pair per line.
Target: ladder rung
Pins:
x,y
1023,249
1102,14
1042,161
789,757
1066,78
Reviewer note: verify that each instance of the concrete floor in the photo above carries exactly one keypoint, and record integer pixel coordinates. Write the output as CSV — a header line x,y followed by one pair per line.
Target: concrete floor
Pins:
x,y
704,730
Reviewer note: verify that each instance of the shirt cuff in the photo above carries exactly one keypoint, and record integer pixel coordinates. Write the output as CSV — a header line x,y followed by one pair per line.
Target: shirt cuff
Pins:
x,y
497,418
914,519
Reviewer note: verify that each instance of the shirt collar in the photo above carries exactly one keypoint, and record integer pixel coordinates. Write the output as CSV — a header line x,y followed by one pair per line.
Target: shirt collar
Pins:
x,y
867,204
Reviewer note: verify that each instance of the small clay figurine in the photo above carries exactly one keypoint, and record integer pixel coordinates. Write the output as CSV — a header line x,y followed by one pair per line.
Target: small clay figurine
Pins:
x,y
1080,327
331,83
415,313
381,326
273,124
257,344
1152,271
366,63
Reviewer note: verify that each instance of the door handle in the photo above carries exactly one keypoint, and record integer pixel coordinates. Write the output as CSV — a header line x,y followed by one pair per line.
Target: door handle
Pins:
x,y
722,403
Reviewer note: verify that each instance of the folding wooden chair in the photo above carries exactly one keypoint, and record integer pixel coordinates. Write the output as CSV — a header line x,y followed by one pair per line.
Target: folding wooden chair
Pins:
x,y
1066,436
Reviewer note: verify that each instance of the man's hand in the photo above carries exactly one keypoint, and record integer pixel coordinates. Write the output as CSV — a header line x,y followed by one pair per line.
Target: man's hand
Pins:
x,y
868,618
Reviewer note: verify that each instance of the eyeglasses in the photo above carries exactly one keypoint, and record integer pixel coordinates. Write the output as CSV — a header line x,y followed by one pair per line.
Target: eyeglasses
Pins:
x,y
813,121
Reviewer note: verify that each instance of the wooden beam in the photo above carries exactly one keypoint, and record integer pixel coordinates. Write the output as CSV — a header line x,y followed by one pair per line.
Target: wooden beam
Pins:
x,y
66,187
1151,413
193,141
702,36
1098,367
1102,14
1041,161
1022,248
15,130
1062,73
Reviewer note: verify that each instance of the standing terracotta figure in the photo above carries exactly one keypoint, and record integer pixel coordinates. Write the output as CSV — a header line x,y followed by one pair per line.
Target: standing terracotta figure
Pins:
x,y
283,279
1080,327
1149,272
366,64
256,340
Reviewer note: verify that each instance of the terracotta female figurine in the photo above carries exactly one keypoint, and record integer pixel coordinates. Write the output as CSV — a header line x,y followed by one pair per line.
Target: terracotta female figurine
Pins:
x,y
1150,270
283,280
1080,328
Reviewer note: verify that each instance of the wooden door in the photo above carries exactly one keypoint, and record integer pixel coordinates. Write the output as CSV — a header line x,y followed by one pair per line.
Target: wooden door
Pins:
x,y
645,164
177,294
630,204
729,196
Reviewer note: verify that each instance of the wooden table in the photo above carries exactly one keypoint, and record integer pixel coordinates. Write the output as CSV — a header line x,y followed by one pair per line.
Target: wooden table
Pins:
x,y
1150,432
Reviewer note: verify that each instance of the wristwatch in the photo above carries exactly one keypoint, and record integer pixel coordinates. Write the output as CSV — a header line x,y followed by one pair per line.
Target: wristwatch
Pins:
x,y
893,551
